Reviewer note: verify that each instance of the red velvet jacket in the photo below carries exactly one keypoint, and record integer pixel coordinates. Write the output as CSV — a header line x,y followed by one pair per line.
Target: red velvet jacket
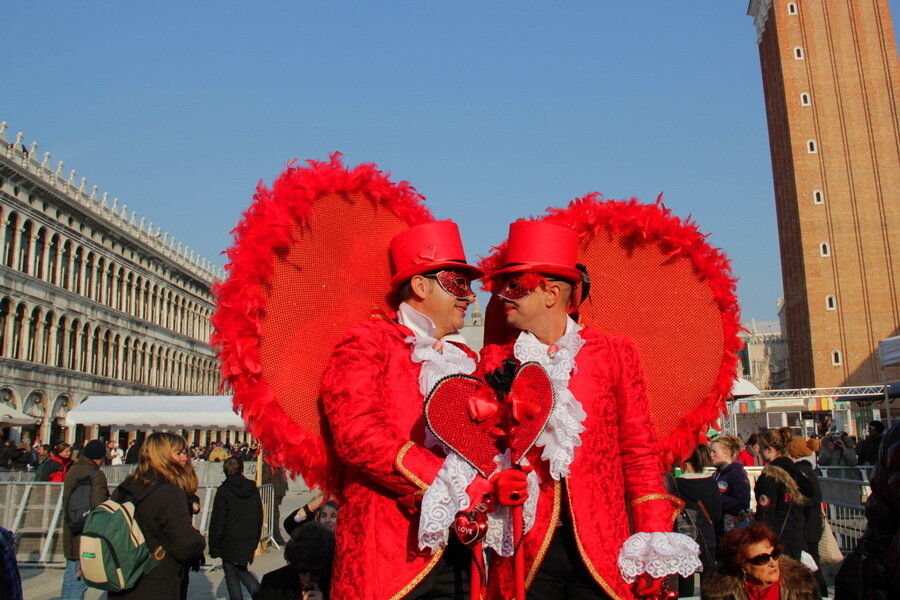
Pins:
x,y
616,463
375,412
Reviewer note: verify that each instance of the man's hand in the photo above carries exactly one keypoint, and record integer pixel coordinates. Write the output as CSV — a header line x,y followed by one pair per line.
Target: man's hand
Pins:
x,y
511,486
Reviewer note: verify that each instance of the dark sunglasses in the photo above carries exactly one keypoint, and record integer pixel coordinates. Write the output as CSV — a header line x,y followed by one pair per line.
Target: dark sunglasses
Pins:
x,y
763,559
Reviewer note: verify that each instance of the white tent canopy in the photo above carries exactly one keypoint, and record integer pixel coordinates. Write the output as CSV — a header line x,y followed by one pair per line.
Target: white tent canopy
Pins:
x,y
741,387
172,412
889,351
9,416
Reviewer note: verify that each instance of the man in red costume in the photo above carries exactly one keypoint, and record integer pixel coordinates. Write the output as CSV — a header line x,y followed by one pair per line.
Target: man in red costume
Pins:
x,y
596,459
373,391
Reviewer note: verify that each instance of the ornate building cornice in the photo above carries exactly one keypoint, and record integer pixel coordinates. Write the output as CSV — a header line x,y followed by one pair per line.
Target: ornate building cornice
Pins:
x,y
114,215
759,10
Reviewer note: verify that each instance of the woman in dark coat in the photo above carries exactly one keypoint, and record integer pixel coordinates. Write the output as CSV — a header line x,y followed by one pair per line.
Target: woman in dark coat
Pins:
x,y
159,488
734,485
783,492
55,468
800,450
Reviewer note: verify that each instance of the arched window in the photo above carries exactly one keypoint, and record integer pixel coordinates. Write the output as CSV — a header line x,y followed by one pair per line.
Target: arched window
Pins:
x,y
59,346
129,294
792,8
98,284
120,289
824,249
85,360
836,358
110,285
105,359
25,248
9,240
53,259
95,351
5,304
40,243
818,197
33,339
798,53
116,347
89,276
18,332
811,147
65,265
804,99
47,350
830,302
72,351
76,270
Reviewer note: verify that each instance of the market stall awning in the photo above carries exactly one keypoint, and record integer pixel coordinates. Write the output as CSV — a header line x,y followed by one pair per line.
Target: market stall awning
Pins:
x,y
9,416
173,412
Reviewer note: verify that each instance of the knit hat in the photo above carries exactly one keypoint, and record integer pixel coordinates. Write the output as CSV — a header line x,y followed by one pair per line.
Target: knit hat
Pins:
x,y
94,450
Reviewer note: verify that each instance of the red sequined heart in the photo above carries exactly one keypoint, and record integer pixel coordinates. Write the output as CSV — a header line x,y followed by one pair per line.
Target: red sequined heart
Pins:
x,y
458,412
470,528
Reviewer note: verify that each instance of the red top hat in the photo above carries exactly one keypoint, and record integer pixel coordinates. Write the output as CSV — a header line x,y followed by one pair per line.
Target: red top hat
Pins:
x,y
541,247
429,247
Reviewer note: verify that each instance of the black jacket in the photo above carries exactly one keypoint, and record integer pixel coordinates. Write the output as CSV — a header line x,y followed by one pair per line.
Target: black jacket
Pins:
x,y
236,521
162,513
697,490
782,493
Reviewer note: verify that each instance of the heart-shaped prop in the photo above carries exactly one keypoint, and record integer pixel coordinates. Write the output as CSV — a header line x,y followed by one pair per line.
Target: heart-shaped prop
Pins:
x,y
462,412
470,527
466,414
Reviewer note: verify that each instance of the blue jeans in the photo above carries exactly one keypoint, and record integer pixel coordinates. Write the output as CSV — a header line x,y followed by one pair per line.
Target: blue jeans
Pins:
x,y
73,588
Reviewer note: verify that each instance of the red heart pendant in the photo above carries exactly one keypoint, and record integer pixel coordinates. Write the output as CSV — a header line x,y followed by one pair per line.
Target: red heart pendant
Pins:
x,y
471,527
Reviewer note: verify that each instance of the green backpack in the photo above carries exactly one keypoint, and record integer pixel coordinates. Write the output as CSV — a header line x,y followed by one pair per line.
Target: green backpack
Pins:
x,y
114,554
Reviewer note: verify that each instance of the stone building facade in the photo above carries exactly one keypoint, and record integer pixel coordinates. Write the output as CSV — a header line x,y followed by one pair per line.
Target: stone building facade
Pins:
x,y
764,357
93,300
831,83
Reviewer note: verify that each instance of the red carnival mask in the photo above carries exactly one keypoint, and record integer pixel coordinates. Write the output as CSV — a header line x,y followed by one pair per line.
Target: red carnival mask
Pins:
x,y
455,283
519,286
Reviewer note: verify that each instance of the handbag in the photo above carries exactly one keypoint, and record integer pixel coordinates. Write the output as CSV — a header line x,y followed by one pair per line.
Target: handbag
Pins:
x,y
829,551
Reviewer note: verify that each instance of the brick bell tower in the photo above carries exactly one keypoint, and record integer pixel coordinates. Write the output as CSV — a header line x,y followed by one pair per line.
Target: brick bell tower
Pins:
x,y
831,83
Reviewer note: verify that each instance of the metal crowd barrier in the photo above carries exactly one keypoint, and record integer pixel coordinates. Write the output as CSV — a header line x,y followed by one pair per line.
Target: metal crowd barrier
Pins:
x,y
33,511
208,473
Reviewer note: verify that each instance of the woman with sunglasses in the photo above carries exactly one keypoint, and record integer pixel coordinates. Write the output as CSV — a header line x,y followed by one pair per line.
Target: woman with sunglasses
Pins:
x,y
753,566
783,492
160,488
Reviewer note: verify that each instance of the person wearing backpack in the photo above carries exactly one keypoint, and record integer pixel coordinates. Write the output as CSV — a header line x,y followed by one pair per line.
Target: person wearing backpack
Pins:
x,y
702,515
159,489
83,475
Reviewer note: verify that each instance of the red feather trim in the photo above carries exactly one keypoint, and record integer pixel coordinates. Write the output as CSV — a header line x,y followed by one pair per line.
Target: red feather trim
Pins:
x,y
636,225
265,230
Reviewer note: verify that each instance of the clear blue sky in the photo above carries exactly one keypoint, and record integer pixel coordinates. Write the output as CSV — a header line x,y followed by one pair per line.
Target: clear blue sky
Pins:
x,y
493,110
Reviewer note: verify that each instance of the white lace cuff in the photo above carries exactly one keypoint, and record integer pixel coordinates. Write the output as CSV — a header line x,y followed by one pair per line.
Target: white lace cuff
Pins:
x,y
442,500
500,528
658,554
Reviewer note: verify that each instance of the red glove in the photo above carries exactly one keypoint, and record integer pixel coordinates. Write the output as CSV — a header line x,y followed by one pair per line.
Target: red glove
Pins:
x,y
480,492
511,486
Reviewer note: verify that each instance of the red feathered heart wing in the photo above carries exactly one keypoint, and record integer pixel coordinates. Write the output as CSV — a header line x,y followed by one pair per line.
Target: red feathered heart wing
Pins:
x,y
656,280
448,416
533,389
310,258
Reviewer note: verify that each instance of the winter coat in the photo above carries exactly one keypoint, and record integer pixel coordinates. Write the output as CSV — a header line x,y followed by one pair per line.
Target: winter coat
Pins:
x,y
162,514
812,512
782,493
693,491
872,571
797,583
55,469
236,521
735,488
83,467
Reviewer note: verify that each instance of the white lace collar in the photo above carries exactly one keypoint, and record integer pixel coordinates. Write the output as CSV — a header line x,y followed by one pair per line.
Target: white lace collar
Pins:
x,y
422,326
